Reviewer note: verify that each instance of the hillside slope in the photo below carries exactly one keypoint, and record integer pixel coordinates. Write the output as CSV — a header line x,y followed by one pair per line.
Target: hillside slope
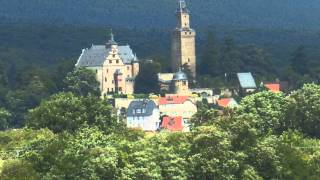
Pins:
x,y
284,14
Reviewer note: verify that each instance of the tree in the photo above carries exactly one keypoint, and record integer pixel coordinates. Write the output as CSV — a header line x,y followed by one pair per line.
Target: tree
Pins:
x,y
82,82
147,80
67,112
88,154
299,61
188,72
303,110
209,64
267,107
211,155
5,118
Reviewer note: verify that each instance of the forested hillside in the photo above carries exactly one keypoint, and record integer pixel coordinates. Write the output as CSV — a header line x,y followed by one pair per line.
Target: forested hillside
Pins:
x,y
271,14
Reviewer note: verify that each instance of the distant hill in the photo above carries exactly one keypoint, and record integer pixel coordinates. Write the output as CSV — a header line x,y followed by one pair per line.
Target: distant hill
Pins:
x,y
270,14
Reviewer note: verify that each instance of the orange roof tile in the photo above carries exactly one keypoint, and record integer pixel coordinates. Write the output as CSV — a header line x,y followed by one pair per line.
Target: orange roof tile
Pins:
x,y
274,87
173,100
224,102
172,123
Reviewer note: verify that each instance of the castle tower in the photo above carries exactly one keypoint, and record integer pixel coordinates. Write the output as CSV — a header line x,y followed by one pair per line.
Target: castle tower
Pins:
x,y
183,49
180,83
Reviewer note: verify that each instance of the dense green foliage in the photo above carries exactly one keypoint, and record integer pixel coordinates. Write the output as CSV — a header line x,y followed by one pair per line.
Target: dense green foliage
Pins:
x,y
82,82
147,80
285,14
253,141
67,112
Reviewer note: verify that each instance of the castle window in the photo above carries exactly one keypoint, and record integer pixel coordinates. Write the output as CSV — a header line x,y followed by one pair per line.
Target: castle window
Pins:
x,y
110,61
105,79
111,89
117,61
185,24
189,60
184,83
185,33
96,71
120,88
112,83
128,68
113,55
190,33
107,70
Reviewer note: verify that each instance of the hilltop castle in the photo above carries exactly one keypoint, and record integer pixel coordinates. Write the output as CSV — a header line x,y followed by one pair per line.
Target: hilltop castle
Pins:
x,y
116,66
183,51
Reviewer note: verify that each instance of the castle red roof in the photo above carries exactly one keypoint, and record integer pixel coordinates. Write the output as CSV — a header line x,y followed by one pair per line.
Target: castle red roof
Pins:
x,y
274,87
173,100
172,123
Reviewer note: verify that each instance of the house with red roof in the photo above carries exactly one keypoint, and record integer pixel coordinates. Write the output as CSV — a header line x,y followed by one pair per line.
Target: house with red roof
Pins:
x,y
175,105
227,103
172,123
274,87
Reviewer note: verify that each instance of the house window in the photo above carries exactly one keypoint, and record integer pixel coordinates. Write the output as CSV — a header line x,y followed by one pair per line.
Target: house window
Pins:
x,y
110,61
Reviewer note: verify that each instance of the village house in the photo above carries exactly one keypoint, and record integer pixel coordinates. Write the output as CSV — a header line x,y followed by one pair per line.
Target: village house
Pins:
x,y
227,103
247,83
176,105
144,115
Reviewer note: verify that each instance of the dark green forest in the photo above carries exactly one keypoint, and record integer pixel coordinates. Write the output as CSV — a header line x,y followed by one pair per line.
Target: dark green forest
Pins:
x,y
54,126
35,58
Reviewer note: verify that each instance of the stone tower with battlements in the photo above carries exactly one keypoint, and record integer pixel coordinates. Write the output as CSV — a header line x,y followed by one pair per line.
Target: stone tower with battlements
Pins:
x,y
183,47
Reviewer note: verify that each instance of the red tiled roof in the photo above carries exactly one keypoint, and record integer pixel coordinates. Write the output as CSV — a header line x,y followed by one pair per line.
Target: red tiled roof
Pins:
x,y
224,102
274,87
172,100
172,123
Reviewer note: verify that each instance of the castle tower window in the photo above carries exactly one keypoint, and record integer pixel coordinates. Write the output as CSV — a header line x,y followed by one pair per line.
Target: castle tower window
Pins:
x,y
114,56
117,61
105,79
110,61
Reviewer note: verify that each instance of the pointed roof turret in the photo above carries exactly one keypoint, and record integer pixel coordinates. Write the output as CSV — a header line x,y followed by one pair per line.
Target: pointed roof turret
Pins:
x,y
112,41
183,7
